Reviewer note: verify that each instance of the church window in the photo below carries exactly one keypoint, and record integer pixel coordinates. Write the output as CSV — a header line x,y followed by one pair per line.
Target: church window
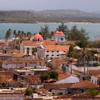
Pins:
x,y
61,39
38,39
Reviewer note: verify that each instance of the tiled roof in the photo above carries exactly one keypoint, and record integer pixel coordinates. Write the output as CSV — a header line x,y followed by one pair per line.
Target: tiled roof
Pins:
x,y
94,72
30,43
84,84
71,42
32,79
63,75
20,61
49,42
57,47
18,55
49,86
5,76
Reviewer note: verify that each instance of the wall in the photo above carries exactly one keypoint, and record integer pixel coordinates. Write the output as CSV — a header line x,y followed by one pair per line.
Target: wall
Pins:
x,y
70,79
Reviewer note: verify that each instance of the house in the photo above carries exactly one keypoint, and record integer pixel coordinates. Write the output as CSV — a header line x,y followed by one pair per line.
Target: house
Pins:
x,y
70,88
6,76
95,79
30,80
81,87
57,88
12,64
67,78
53,51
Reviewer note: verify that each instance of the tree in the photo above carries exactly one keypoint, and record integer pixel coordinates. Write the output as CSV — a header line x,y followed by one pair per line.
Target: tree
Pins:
x,y
64,29
92,92
76,35
82,43
45,77
44,32
28,91
53,74
8,34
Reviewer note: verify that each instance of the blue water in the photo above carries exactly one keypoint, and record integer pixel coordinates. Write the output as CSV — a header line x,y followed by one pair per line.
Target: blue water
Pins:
x,y
91,29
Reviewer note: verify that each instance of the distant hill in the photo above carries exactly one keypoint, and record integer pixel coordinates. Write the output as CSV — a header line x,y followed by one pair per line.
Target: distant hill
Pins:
x,y
48,16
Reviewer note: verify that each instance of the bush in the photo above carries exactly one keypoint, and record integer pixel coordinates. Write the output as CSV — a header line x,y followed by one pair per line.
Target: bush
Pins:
x,y
96,64
28,91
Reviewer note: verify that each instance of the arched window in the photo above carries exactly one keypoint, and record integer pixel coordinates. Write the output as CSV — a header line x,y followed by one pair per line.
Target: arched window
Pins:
x,y
32,50
28,51
61,39
38,39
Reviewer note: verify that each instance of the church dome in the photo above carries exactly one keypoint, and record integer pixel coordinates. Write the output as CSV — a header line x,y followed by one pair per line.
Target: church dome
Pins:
x,y
59,33
38,38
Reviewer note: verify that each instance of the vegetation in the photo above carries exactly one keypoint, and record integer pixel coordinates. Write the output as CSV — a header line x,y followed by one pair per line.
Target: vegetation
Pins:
x,y
96,64
28,91
44,32
92,92
50,75
82,43
42,16
94,44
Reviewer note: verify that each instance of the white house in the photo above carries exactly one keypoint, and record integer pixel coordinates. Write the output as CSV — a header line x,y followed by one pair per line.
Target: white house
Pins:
x,y
67,78
95,79
12,64
53,51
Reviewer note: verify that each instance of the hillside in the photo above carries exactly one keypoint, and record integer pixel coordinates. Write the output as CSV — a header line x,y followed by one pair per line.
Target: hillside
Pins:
x,y
48,16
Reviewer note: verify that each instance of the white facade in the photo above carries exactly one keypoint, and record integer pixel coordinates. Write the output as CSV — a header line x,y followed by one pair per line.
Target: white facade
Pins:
x,y
70,79
27,49
14,66
60,39
54,54
94,80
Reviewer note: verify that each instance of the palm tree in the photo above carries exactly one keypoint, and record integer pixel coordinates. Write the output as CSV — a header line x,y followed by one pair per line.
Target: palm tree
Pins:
x,y
8,34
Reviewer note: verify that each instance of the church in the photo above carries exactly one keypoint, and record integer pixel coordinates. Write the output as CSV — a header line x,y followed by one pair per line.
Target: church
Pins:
x,y
58,45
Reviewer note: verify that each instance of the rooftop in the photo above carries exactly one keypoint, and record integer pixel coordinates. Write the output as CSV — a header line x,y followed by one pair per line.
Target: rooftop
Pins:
x,y
84,84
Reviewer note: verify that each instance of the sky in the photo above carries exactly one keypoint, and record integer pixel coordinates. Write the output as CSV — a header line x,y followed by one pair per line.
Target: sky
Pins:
x,y
38,5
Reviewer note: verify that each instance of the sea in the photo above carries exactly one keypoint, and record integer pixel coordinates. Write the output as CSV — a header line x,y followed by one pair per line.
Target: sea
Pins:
x,y
92,29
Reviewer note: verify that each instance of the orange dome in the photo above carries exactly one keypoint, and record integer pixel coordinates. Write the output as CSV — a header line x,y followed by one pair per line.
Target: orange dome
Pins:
x,y
59,33
37,38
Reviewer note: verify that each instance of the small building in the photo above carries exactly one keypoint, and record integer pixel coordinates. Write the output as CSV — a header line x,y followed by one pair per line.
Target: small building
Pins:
x,y
13,64
67,78
95,79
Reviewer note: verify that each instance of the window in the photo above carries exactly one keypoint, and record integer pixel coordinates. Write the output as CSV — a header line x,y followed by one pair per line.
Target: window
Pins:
x,y
27,52
57,51
51,58
47,51
32,50
27,48
61,39
57,55
64,51
38,39
95,82
52,51
52,55
47,55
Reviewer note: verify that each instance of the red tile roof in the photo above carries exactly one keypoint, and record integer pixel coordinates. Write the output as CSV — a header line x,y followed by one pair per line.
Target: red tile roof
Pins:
x,y
71,42
84,84
30,43
18,55
94,72
49,86
5,76
63,75
32,79
57,47
49,42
